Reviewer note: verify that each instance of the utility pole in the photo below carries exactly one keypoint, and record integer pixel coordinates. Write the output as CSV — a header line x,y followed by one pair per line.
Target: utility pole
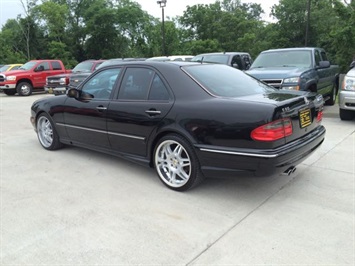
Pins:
x,y
308,22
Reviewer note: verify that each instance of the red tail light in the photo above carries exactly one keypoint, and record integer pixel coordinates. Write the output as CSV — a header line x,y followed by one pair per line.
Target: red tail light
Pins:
x,y
273,131
320,116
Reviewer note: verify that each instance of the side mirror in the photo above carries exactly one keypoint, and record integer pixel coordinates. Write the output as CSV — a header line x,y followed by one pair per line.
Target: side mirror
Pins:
x,y
235,65
39,69
73,93
324,64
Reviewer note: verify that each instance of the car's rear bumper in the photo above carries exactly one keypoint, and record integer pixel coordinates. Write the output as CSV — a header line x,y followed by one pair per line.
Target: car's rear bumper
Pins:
x,y
347,100
222,162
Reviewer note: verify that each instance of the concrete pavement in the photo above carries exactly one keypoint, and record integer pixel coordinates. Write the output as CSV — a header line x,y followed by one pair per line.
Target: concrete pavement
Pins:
x,y
78,207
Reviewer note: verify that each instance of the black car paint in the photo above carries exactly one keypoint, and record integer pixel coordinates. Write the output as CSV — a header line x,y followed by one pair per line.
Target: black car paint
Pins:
x,y
220,136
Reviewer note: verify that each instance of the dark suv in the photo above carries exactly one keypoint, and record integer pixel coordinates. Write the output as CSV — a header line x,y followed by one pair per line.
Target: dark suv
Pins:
x,y
240,60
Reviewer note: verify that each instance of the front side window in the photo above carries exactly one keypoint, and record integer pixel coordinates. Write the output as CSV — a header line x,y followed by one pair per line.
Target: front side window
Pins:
x,y
100,86
136,83
45,66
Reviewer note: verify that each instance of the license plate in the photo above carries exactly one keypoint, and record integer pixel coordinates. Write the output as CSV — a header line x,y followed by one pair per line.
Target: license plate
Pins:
x,y
305,118
50,90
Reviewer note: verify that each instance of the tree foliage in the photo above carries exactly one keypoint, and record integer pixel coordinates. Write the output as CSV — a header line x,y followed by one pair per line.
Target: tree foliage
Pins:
x,y
75,30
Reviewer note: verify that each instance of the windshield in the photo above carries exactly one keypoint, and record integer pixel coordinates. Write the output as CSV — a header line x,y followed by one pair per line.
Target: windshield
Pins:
x,y
28,65
283,59
226,81
219,59
4,68
83,67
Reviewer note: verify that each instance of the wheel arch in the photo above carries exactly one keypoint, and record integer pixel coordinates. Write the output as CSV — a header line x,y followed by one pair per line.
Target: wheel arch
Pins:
x,y
161,135
24,80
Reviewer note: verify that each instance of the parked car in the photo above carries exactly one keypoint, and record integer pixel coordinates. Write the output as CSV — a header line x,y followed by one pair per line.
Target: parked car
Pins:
x,y
76,79
58,84
304,69
10,67
240,60
347,96
171,58
30,76
183,121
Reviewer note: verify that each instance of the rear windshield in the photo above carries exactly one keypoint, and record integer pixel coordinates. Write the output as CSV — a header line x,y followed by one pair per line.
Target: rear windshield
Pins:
x,y
83,67
225,81
217,58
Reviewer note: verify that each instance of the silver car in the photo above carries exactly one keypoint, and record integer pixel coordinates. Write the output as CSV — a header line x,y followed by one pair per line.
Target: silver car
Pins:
x,y
347,97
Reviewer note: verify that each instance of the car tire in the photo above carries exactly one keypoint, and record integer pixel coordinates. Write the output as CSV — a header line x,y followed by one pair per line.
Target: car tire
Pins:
x,y
24,89
346,114
10,92
333,96
176,163
47,134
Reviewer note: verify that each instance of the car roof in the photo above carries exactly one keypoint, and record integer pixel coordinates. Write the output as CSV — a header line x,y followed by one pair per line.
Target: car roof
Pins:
x,y
226,53
292,49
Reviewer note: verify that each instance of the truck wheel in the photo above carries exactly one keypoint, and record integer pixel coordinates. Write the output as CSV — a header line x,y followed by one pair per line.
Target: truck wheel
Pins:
x,y
24,89
346,114
333,96
10,91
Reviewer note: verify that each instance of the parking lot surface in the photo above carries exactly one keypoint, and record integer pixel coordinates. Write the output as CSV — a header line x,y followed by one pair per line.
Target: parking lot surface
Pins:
x,y
79,207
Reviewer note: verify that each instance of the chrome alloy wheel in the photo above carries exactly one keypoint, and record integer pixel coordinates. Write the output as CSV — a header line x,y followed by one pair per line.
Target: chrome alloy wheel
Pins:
x,y
173,163
25,89
45,131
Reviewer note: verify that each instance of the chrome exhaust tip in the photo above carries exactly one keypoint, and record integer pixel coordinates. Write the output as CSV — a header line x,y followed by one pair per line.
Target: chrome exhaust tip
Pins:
x,y
289,171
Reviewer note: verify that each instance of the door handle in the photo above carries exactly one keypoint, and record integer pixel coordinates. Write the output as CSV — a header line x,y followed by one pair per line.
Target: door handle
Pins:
x,y
101,108
153,112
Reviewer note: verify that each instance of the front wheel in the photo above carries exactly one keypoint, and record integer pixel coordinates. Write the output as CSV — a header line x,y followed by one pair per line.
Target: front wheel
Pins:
x,y
346,114
176,163
10,92
47,135
333,96
24,89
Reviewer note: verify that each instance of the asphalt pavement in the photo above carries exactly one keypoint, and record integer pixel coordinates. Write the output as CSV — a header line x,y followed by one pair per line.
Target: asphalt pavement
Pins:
x,y
79,207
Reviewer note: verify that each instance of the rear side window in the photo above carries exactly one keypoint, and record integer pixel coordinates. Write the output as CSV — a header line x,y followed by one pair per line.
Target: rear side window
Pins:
x,y
56,65
136,83
226,81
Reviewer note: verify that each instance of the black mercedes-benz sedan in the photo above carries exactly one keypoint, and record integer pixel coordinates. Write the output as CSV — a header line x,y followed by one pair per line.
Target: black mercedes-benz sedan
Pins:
x,y
187,120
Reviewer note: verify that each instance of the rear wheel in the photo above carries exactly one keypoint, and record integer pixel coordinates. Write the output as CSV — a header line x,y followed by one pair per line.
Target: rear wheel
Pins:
x,y
24,89
10,91
47,135
346,114
176,163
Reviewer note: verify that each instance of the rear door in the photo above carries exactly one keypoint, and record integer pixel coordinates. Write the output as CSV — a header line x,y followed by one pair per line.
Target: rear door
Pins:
x,y
143,100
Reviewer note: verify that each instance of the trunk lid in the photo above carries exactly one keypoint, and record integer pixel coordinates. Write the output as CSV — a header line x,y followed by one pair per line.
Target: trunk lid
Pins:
x,y
302,108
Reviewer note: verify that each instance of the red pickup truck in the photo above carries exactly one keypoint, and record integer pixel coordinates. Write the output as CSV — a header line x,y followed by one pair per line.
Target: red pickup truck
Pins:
x,y
31,76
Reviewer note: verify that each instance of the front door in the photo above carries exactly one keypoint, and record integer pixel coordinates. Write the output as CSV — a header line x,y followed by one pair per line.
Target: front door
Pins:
x,y
85,117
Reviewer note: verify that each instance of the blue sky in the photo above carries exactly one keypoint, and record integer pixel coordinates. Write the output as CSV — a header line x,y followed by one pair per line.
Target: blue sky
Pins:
x,y
11,8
